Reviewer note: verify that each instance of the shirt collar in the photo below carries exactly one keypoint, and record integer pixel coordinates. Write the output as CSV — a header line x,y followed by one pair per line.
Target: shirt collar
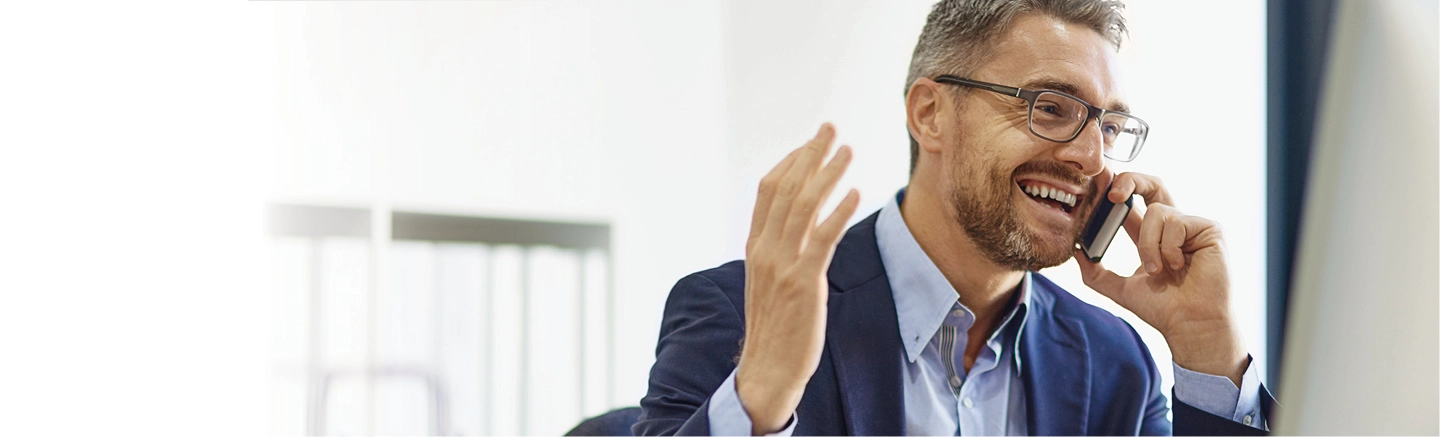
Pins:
x,y
923,296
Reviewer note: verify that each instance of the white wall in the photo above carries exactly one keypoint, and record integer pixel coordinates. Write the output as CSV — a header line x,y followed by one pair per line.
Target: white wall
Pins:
x,y
588,111
130,270
791,66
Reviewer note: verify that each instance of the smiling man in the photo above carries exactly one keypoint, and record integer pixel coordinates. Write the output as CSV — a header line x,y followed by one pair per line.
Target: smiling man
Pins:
x,y
927,317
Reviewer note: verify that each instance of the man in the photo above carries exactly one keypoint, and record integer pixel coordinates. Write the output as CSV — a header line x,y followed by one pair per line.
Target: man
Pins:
x,y
927,317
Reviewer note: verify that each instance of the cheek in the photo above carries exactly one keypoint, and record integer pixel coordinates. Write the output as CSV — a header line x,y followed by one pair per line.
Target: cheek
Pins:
x,y
993,150
970,164
1004,154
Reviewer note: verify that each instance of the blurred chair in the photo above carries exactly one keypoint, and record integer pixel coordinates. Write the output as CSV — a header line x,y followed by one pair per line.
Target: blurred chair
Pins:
x,y
439,420
616,422
308,228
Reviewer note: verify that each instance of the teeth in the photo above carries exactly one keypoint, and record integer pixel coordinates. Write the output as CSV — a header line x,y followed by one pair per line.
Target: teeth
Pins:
x,y
1051,193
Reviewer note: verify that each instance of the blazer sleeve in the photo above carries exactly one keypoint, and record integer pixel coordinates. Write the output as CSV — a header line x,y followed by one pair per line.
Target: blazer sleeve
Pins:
x,y
1189,420
1155,419
1194,421
699,347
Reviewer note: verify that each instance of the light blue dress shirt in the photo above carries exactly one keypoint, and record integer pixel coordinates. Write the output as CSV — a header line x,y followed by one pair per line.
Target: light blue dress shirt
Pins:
x,y
941,397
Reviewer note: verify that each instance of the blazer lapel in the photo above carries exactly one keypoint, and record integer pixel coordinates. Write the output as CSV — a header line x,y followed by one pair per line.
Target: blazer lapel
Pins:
x,y
863,336
1055,366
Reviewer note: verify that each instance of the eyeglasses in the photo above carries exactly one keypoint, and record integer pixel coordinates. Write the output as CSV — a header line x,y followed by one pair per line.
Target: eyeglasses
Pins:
x,y
1060,117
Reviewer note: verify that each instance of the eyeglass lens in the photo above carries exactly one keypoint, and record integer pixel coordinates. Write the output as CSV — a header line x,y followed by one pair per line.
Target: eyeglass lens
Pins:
x,y
1058,117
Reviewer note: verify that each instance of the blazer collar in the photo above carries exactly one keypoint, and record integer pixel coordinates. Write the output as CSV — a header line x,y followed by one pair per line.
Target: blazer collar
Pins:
x,y
1057,366
863,336
923,297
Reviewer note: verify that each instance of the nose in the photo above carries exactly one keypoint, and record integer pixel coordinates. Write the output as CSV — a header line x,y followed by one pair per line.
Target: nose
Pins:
x,y
1086,152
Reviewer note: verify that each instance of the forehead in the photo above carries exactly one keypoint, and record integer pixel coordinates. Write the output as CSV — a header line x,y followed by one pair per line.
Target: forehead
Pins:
x,y
1041,50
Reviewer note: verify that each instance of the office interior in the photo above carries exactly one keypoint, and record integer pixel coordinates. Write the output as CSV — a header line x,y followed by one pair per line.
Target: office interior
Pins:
x,y
463,218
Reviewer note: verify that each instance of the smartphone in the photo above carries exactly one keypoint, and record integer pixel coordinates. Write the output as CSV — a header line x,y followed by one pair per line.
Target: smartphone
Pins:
x,y
1104,224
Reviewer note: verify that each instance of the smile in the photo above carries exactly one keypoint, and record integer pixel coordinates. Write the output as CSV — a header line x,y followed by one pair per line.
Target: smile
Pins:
x,y
1049,195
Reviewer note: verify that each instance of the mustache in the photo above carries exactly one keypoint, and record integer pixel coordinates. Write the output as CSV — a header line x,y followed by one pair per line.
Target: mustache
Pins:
x,y
1061,172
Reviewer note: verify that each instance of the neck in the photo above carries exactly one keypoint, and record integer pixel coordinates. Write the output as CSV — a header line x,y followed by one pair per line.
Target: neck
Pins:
x,y
984,287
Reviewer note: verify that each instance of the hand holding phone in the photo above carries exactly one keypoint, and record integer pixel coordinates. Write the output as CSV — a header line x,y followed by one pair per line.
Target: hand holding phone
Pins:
x,y
1182,287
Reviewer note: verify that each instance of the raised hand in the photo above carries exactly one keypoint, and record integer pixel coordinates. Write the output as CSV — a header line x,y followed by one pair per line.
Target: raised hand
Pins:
x,y
786,258
1182,287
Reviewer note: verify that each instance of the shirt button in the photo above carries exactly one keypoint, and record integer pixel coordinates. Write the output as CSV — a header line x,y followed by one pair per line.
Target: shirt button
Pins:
x,y
957,313
1248,419
969,403
955,381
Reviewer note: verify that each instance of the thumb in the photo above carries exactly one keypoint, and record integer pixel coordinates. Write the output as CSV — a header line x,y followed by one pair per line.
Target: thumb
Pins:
x,y
1098,278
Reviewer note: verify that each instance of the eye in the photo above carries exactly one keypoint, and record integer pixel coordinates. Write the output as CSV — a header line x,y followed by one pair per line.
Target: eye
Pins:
x,y
1047,108
1110,129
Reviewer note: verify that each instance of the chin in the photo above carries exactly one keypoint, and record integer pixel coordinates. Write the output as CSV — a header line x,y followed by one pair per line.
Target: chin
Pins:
x,y
1055,258
1041,246
1050,251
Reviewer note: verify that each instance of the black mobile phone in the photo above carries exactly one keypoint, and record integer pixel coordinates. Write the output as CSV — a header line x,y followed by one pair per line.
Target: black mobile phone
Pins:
x,y
1104,224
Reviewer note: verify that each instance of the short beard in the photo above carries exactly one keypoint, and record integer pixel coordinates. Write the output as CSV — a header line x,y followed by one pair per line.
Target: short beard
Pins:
x,y
991,220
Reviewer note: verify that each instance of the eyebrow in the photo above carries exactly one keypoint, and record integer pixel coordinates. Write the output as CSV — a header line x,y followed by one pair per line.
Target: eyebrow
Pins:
x,y
1067,88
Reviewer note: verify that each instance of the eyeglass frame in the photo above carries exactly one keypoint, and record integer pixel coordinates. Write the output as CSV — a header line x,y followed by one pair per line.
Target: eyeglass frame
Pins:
x,y
1031,95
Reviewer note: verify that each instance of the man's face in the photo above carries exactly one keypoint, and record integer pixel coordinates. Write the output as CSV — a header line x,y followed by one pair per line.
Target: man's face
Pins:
x,y
995,160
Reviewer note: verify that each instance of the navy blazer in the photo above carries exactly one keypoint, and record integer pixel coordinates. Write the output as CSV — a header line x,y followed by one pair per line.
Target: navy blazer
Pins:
x,y
1085,371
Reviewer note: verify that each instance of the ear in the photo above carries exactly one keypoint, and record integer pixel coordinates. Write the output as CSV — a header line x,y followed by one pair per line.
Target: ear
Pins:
x,y
922,113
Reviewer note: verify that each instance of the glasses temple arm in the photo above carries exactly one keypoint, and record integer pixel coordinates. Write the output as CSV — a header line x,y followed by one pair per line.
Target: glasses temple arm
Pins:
x,y
1002,89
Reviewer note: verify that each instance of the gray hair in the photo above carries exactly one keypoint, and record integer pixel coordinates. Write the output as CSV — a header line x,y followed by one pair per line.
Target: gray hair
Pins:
x,y
958,33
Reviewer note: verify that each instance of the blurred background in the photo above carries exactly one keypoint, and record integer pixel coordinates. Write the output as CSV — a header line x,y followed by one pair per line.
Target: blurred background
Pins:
x,y
361,218
651,123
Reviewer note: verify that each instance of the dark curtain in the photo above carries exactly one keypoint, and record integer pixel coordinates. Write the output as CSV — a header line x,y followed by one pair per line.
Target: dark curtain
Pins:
x,y
1298,34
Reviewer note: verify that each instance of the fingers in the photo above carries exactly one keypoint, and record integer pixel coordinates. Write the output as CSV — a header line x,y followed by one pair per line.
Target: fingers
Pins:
x,y
790,185
1148,187
1151,229
817,189
1167,235
1172,237
1103,180
1133,221
827,235
1109,179
766,195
